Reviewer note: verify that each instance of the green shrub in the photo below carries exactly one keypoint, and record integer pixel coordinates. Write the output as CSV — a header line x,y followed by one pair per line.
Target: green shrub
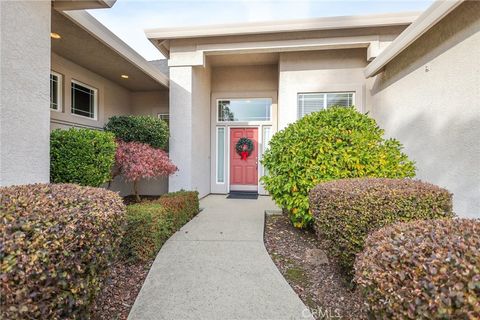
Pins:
x,y
81,156
422,270
345,211
150,224
57,244
336,143
144,129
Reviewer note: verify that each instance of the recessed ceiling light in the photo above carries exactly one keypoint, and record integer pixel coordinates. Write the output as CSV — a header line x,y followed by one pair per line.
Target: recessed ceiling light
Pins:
x,y
124,76
55,35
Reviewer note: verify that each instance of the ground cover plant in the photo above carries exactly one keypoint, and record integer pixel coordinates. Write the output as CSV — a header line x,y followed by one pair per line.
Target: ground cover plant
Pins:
x,y
81,156
335,143
346,211
422,270
58,242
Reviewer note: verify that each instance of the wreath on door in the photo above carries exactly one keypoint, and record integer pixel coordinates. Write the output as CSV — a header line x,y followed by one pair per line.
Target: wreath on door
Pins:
x,y
244,147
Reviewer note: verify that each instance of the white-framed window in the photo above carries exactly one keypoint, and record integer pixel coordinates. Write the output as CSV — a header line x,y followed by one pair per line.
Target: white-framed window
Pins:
x,y
84,100
312,102
56,86
244,110
221,142
165,117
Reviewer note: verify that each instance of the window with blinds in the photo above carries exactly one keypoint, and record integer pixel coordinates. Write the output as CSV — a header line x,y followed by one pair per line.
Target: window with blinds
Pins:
x,y
312,102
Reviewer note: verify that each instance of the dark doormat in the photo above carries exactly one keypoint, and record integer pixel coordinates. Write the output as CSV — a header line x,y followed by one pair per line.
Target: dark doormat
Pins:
x,y
242,195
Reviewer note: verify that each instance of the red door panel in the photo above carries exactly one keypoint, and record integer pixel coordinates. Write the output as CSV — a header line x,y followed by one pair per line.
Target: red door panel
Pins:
x,y
243,172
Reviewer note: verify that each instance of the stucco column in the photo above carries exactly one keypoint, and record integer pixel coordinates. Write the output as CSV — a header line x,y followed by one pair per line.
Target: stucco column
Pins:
x,y
24,93
190,128
181,90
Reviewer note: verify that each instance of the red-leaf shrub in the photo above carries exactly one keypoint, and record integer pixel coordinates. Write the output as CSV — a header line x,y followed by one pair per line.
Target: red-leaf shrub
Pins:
x,y
57,244
428,269
137,161
346,211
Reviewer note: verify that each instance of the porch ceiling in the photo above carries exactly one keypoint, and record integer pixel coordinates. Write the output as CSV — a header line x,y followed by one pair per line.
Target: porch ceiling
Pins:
x,y
84,49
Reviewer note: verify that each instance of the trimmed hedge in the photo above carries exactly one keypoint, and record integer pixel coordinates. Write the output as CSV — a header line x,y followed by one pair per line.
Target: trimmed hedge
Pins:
x,y
422,270
345,211
81,156
145,129
335,143
150,224
58,241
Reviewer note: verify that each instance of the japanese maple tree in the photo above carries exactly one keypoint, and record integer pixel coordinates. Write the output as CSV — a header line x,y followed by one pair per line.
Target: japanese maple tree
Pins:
x,y
137,160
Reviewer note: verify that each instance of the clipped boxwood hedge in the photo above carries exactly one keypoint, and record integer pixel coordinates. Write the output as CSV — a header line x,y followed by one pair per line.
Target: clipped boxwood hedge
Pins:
x,y
81,156
335,143
58,241
345,211
145,129
422,270
150,224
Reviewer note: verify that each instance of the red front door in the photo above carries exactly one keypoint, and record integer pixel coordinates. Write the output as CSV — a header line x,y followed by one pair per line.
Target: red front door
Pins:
x,y
243,173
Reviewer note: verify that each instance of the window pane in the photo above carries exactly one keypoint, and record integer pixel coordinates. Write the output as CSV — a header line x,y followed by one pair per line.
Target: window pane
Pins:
x,y
244,110
54,87
311,102
339,99
220,155
83,100
165,117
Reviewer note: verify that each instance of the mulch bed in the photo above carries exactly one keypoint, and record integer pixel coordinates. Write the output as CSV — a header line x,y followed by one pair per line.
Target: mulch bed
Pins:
x,y
301,258
120,291
123,284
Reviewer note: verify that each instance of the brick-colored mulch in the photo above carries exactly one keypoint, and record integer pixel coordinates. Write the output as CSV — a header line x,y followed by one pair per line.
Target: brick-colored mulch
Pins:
x,y
120,290
301,258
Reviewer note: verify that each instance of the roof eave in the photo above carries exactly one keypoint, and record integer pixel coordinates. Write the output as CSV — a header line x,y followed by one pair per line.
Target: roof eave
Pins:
x,y
326,23
436,12
103,34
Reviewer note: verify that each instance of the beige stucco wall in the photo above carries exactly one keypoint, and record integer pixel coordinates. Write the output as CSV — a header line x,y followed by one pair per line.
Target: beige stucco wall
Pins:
x,y
24,94
112,98
245,78
428,98
149,102
319,71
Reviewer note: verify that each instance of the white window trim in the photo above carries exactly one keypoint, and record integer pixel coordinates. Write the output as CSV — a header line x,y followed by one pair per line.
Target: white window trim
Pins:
x,y
159,116
59,91
217,129
324,93
254,122
95,100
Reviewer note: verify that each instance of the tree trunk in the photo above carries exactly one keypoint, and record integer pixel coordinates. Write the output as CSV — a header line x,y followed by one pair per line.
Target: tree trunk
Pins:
x,y
135,189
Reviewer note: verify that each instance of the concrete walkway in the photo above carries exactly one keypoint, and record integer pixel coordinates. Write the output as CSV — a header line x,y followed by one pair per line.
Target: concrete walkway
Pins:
x,y
217,267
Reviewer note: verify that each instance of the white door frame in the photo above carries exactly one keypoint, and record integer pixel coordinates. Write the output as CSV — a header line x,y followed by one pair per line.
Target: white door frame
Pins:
x,y
224,187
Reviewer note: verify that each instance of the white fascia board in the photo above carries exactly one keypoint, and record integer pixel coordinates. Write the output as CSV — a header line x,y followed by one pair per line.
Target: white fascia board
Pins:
x,y
325,23
62,5
436,12
103,34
